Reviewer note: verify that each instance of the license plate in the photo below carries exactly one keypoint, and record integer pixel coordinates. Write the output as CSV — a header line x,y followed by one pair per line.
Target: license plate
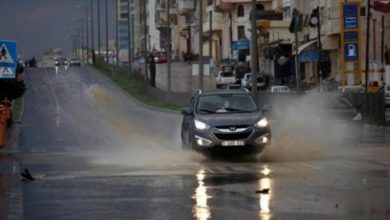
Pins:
x,y
233,143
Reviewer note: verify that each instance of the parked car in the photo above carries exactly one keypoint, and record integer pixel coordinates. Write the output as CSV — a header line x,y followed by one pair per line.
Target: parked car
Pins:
x,y
234,86
160,57
224,78
354,89
224,120
247,81
240,72
74,62
280,89
386,91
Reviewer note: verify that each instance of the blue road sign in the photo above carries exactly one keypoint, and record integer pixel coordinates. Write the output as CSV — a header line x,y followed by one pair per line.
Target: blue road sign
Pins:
x,y
7,73
351,51
8,58
350,16
351,36
241,45
8,54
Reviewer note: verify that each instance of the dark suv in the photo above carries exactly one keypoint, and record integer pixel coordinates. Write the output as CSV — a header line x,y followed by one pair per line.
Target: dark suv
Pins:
x,y
222,120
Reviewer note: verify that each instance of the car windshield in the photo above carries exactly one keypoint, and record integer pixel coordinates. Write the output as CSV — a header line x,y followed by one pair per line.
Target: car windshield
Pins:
x,y
226,74
225,103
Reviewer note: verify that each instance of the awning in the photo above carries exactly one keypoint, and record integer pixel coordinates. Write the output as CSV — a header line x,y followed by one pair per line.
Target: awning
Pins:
x,y
304,46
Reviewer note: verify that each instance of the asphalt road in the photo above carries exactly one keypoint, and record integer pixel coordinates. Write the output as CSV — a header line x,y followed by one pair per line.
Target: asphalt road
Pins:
x,y
98,154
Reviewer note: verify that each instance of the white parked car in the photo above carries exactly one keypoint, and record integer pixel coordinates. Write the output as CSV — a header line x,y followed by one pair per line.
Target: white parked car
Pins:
x,y
280,89
225,78
246,81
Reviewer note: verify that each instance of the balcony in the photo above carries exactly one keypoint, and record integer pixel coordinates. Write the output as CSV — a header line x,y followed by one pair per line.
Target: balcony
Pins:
x,y
224,5
185,6
161,5
217,22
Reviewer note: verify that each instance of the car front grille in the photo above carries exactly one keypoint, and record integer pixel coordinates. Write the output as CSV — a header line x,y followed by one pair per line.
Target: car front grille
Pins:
x,y
233,136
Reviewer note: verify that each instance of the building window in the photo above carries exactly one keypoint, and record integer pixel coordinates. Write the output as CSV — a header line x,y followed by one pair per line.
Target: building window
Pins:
x,y
259,7
124,15
240,11
363,11
241,32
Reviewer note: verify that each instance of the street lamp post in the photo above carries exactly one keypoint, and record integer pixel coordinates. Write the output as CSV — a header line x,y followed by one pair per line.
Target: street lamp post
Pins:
x,y
92,35
201,44
107,31
80,31
169,47
98,26
129,39
87,33
253,50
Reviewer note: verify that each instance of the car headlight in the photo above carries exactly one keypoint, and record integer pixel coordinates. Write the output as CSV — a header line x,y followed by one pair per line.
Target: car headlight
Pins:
x,y
262,123
200,125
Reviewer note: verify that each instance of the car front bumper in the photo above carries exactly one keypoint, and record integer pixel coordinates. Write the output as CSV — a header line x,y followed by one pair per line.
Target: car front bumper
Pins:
x,y
214,139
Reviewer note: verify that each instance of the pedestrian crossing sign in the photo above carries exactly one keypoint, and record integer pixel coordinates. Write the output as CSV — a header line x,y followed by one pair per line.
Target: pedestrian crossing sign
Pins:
x,y
7,73
8,54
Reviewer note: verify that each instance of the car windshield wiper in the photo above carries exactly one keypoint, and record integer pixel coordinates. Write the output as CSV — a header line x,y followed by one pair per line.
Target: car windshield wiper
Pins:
x,y
237,110
203,110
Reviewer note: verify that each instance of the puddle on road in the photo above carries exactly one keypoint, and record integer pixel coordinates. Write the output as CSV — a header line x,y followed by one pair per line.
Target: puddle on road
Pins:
x,y
134,146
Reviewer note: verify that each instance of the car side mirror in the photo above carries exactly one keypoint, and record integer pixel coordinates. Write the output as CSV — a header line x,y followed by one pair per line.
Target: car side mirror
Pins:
x,y
186,111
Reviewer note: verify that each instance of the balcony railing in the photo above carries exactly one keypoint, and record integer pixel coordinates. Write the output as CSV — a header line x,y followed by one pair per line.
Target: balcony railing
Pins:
x,y
185,6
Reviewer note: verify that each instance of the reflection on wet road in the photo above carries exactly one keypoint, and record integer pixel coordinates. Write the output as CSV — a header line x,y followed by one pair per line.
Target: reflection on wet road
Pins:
x,y
97,154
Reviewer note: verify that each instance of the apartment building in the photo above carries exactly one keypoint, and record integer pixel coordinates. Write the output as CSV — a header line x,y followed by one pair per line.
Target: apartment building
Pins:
x,y
227,29
331,51
125,14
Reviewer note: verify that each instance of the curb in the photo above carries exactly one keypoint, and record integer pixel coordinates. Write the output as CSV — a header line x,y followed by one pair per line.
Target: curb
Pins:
x,y
15,204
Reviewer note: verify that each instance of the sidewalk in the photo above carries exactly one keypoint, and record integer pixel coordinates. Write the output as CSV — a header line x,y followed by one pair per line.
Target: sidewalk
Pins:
x,y
11,196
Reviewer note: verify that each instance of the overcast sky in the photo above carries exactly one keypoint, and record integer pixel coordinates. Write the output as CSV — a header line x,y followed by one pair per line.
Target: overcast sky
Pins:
x,y
39,25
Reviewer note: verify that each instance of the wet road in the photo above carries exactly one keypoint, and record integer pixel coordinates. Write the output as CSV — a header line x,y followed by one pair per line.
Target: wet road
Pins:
x,y
98,154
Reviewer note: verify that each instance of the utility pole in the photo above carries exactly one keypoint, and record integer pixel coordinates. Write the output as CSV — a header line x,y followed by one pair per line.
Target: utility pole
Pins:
x,y
201,44
297,69
253,52
319,44
374,36
145,39
129,72
231,34
107,32
368,15
169,46
98,17
82,46
87,32
92,33
383,41
211,35
117,33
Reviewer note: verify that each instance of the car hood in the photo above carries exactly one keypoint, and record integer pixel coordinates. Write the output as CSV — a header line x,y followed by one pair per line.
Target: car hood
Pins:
x,y
226,119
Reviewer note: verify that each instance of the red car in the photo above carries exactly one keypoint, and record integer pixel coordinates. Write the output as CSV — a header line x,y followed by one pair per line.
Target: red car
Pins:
x,y
160,57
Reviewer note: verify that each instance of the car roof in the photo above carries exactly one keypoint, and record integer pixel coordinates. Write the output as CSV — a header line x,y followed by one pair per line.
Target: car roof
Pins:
x,y
221,92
